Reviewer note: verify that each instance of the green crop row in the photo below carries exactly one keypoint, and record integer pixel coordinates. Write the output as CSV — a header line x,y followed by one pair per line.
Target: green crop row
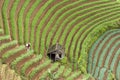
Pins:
x,y
18,59
7,45
33,25
53,18
71,13
27,64
48,36
96,72
108,18
118,71
12,19
95,44
99,48
38,68
12,52
114,60
74,42
74,75
66,29
110,53
59,72
28,15
4,16
4,37
66,13
102,73
49,71
79,32
92,38
46,27
77,19
20,22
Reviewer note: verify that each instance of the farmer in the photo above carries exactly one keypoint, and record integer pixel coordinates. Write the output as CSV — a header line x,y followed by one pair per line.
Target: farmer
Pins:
x,y
28,45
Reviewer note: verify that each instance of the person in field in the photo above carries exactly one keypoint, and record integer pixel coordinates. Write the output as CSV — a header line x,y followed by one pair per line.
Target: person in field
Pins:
x,y
28,46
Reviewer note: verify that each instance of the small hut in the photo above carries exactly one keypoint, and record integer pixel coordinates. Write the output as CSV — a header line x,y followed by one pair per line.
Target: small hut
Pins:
x,y
56,52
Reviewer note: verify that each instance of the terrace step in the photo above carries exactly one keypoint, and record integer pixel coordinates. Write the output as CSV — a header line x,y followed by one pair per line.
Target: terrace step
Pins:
x,y
7,46
4,39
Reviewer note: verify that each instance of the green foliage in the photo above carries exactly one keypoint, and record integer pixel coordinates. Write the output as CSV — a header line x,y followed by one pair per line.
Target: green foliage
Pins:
x,y
29,53
27,64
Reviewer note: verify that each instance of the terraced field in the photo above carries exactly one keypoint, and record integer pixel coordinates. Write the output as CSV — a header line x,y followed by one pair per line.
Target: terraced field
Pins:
x,y
87,29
